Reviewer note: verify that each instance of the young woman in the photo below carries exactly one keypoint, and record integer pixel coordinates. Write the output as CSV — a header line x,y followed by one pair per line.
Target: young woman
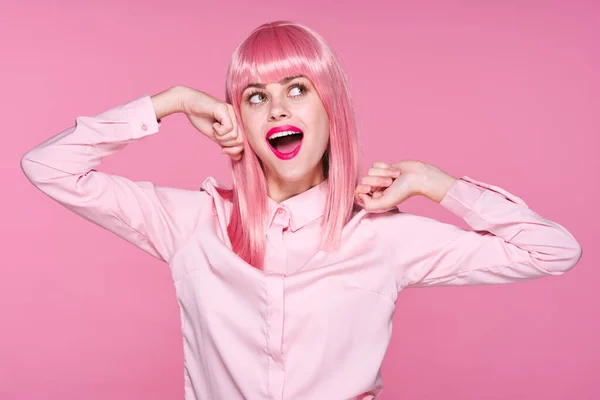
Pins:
x,y
287,283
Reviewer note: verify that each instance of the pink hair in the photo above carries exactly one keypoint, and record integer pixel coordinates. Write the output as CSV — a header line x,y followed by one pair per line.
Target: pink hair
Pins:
x,y
271,52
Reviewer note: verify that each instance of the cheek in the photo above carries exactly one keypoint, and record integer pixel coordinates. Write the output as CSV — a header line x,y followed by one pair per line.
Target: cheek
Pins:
x,y
322,120
251,129
324,127
254,139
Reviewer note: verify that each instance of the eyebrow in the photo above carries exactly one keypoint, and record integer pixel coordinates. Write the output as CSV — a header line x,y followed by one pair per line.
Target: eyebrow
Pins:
x,y
281,82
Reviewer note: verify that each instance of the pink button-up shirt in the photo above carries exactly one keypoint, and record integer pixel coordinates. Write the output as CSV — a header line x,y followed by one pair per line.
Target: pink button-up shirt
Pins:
x,y
313,324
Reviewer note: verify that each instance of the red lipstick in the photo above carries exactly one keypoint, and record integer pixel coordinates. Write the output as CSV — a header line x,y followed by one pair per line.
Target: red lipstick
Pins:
x,y
290,129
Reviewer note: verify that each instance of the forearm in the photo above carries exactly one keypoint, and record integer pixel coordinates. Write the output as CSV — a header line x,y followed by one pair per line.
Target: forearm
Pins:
x,y
81,148
169,101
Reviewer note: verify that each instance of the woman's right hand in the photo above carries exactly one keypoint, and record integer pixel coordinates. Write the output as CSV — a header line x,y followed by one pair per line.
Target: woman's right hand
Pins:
x,y
211,116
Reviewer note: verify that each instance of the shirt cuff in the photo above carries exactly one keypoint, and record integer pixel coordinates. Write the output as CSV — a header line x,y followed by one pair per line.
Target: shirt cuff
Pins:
x,y
463,195
141,116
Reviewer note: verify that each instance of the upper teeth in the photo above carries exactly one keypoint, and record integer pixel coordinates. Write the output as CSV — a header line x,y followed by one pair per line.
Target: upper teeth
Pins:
x,y
283,133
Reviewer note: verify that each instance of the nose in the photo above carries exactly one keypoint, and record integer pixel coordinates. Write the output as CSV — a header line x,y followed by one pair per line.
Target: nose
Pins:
x,y
278,110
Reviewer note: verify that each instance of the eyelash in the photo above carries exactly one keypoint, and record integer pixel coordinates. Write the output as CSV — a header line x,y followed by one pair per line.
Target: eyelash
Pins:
x,y
300,86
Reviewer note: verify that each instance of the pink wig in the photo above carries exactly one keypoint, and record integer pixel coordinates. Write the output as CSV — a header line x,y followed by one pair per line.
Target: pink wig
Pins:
x,y
271,52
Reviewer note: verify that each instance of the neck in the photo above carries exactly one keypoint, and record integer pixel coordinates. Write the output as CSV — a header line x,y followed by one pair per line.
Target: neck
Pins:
x,y
281,190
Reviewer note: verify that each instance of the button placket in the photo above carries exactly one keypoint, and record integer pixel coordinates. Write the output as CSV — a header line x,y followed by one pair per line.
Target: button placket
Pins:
x,y
274,284
275,269
275,255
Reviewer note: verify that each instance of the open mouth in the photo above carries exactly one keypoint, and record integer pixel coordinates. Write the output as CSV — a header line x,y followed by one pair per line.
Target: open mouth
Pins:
x,y
285,144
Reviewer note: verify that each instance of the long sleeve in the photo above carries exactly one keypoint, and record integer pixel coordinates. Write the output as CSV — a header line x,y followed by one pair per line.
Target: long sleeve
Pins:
x,y
156,219
508,242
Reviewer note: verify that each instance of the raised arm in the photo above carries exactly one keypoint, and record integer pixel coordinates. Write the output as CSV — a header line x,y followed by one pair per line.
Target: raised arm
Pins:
x,y
156,219
508,242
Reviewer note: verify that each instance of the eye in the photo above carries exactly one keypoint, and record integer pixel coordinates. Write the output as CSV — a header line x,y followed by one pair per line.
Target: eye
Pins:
x,y
256,97
298,90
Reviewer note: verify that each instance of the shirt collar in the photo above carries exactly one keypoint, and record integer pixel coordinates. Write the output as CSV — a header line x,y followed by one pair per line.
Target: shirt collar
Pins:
x,y
303,208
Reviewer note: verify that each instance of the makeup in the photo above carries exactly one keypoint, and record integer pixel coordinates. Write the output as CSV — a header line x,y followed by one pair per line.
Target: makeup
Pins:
x,y
285,141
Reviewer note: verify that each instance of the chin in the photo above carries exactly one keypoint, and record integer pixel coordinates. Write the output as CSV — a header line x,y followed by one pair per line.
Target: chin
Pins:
x,y
290,171
288,175
301,167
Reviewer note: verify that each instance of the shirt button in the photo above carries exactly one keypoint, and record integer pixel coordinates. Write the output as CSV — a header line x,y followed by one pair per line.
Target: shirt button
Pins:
x,y
144,127
280,211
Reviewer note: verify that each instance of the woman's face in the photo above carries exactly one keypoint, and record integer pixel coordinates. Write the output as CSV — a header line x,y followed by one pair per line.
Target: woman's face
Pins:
x,y
287,127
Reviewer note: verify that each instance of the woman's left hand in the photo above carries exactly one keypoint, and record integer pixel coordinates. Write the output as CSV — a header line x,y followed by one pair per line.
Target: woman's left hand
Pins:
x,y
389,184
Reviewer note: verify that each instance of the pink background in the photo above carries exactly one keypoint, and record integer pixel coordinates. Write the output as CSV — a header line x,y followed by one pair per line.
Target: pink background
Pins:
x,y
504,92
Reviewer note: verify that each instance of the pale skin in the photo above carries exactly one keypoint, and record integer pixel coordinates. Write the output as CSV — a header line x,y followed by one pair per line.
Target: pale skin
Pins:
x,y
292,101
384,187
